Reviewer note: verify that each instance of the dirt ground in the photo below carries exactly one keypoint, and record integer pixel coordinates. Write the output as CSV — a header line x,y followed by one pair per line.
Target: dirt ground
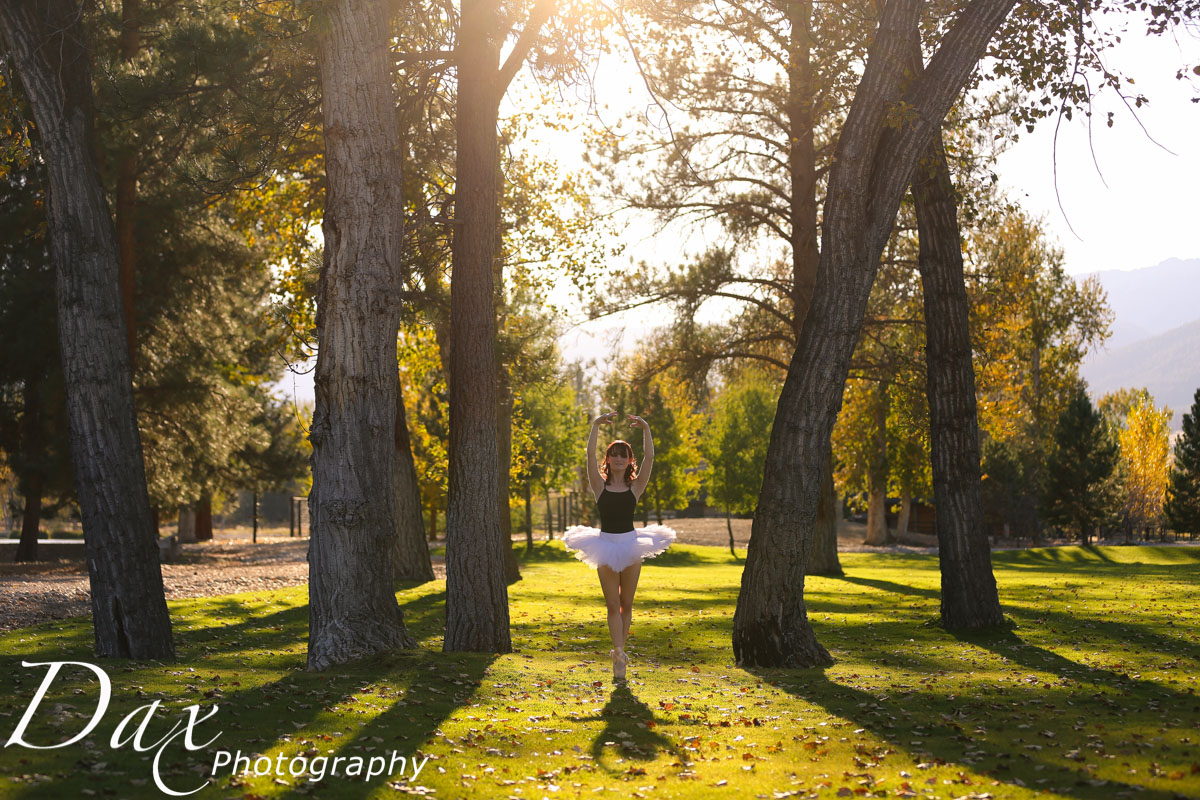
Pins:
x,y
45,590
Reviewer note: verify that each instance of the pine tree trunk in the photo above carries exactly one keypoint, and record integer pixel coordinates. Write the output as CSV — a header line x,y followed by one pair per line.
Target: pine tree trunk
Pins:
x,y
126,196
31,519
204,529
352,506
476,586
410,556
33,454
872,168
823,560
969,597
46,43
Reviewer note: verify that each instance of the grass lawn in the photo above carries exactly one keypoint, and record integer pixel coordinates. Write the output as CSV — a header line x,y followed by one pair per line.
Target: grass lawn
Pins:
x,y
1091,695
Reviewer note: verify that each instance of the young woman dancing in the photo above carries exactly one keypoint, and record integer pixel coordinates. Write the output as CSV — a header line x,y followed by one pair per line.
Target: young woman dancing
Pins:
x,y
615,549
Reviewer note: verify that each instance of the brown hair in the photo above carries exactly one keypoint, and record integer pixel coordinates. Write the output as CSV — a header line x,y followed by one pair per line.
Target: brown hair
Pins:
x,y
630,469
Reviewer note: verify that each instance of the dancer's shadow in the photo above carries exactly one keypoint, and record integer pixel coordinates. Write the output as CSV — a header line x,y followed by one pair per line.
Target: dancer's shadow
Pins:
x,y
631,732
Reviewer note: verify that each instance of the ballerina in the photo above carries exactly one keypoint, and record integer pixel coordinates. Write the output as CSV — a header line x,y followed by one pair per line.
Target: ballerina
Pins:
x,y
616,549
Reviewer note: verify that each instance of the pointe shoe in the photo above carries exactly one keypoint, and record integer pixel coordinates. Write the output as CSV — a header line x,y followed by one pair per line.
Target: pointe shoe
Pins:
x,y
620,661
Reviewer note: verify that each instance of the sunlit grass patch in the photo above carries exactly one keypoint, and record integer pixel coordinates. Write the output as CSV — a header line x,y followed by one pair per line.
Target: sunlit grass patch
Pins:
x,y
1090,695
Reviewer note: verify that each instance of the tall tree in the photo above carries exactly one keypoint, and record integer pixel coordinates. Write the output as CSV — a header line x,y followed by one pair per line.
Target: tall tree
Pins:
x,y
476,583
47,44
969,596
871,171
353,503
1183,498
1079,491
735,445
1145,463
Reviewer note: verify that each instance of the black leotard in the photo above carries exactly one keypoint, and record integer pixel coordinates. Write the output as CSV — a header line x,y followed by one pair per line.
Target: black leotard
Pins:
x,y
616,511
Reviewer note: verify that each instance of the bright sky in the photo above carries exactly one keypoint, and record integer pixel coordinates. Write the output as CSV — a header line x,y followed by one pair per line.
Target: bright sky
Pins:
x,y
1147,212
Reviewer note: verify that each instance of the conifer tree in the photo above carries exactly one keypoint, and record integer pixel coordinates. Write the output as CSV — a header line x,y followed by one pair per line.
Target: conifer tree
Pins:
x,y
1183,497
1078,492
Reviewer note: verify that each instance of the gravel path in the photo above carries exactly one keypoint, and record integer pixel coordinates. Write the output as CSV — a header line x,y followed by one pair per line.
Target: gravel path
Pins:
x,y
47,590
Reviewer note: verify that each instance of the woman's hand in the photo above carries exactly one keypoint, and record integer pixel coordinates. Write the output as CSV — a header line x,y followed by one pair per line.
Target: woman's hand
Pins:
x,y
606,419
638,422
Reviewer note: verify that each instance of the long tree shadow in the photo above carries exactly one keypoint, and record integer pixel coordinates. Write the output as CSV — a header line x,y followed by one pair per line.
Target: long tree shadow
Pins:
x,y
631,731
943,722
437,684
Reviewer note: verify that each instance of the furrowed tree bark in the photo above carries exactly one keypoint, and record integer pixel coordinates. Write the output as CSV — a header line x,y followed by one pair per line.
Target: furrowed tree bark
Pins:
x,y
476,585
476,588
411,554
823,559
352,506
873,167
46,43
969,595
806,257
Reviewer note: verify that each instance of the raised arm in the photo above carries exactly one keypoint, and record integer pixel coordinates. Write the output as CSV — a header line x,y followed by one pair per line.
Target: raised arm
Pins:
x,y
643,477
595,479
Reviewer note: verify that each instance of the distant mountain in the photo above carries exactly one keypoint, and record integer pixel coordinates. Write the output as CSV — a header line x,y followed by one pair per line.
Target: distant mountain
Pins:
x,y
1168,365
1152,300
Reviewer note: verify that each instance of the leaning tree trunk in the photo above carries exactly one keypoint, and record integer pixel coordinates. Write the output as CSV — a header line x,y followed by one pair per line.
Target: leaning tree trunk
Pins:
x,y
129,613
823,558
410,553
872,169
352,505
476,587
969,597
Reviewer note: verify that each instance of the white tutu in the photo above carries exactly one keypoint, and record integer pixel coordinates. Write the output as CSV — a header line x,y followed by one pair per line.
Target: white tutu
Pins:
x,y
594,547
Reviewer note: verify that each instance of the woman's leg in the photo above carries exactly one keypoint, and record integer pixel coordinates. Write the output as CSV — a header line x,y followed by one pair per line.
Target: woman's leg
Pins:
x,y
628,586
610,582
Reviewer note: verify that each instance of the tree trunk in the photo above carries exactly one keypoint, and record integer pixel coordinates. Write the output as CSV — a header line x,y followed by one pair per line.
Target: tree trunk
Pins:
x,y
33,454
905,513
729,527
969,597
512,570
476,586
872,169
877,529
129,612
31,519
549,518
529,515
806,257
410,554
433,519
352,506
204,529
126,196
823,560
186,532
